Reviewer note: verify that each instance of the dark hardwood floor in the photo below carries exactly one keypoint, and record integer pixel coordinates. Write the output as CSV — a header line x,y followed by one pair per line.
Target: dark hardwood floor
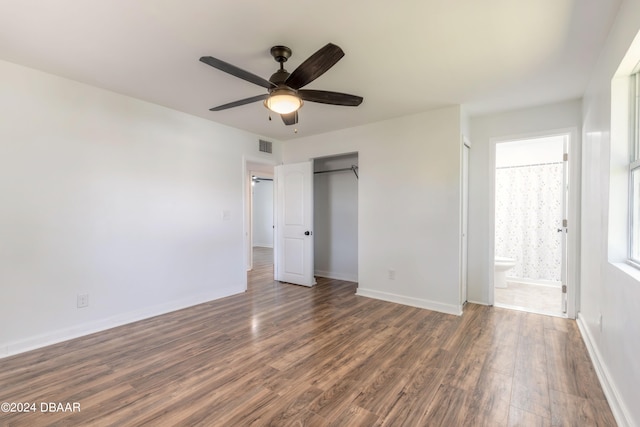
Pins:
x,y
286,355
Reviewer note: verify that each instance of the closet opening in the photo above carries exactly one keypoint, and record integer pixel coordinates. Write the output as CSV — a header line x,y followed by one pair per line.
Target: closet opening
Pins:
x,y
335,189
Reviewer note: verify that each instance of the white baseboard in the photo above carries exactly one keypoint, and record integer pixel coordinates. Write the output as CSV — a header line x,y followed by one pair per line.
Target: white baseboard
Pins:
x,y
620,412
65,334
413,302
336,276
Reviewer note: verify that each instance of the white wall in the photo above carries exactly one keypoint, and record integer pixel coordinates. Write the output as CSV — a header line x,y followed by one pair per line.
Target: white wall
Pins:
x,y
113,197
485,130
608,289
263,214
335,216
408,204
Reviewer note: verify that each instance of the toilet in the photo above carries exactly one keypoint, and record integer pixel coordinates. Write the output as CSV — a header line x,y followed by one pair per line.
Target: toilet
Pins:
x,y
502,265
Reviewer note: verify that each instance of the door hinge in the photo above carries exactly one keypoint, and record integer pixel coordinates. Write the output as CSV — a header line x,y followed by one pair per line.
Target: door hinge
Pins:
x,y
564,289
565,223
565,157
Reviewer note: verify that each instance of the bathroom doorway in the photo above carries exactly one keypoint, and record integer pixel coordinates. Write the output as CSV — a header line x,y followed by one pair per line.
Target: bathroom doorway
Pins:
x,y
531,200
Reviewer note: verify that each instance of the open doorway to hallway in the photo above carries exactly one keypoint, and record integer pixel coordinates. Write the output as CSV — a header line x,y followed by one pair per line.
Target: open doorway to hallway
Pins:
x,y
262,220
259,208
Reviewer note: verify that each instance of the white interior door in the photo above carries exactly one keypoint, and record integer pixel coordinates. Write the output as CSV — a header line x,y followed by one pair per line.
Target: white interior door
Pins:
x,y
564,226
294,224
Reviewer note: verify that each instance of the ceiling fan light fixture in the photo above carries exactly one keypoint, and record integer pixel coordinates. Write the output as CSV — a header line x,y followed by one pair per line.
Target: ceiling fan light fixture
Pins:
x,y
283,101
285,94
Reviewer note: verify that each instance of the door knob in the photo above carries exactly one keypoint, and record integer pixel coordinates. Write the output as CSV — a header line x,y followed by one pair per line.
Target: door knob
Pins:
x,y
307,233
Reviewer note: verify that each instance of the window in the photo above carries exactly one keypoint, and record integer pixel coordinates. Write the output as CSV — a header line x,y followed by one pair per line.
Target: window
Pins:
x,y
623,231
634,170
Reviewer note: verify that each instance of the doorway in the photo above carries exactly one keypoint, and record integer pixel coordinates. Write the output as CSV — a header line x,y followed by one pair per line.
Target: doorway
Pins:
x,y
262,220
259,211
335,212
531,211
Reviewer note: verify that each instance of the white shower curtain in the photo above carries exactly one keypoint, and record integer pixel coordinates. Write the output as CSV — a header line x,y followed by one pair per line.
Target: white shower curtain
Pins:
x,y
528,215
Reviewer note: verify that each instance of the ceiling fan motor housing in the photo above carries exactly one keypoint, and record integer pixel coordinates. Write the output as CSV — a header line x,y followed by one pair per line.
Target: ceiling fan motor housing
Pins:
x,y
279,77
280,53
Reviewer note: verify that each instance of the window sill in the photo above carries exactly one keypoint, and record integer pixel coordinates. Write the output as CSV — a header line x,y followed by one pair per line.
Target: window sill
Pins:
x,y
630,268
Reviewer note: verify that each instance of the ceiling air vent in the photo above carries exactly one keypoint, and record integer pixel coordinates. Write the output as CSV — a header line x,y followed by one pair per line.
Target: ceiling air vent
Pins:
x,y
265,146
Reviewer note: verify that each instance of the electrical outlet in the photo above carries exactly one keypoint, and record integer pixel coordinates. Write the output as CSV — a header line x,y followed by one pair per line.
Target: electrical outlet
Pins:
x,y
392,274
83,300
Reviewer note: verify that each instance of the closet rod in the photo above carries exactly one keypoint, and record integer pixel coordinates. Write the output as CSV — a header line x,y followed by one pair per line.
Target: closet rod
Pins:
x,y
352,168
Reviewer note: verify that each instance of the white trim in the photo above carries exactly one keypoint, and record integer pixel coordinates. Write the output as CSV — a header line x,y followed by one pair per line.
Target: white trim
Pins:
x,y
410,301
633,166
465,157
618,408
633,264
65,334
465,141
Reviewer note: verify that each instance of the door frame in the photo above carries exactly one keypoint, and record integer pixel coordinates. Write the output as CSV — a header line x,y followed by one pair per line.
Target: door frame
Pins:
x,y
573,236
265,175
249,166
464,221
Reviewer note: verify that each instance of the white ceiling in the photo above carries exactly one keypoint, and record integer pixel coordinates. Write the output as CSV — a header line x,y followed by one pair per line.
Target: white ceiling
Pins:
x,y
403,56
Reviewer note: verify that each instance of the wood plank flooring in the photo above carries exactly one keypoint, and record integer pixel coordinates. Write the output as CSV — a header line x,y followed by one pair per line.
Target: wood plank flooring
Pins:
x,y
285,355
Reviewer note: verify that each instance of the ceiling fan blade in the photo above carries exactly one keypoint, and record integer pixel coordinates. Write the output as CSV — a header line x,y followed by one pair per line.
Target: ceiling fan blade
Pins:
x,y
237,72
290,119
333,98
240,102
315,66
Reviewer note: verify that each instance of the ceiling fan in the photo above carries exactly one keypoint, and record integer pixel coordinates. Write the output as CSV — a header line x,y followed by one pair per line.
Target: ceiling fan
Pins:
x,y
285,96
